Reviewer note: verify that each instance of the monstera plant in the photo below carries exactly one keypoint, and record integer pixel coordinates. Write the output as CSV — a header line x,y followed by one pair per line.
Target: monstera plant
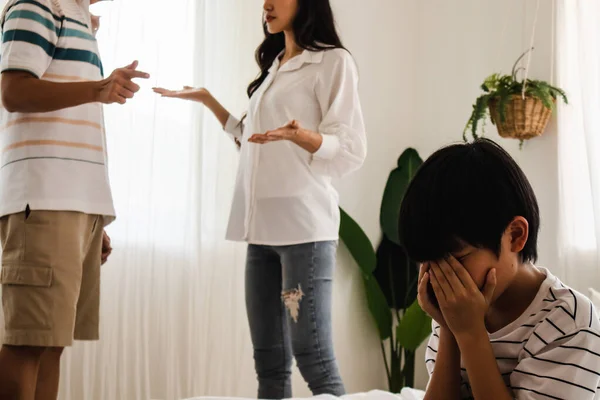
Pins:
x,y
390,279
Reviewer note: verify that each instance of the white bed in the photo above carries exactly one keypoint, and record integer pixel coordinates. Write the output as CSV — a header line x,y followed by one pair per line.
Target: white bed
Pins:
x,y
407,394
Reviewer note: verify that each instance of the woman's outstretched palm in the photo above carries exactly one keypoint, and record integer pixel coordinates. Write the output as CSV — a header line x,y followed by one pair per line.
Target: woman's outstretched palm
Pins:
x,y
187,93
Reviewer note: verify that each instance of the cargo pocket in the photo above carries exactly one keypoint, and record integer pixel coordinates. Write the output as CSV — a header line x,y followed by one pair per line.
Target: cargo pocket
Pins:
x,y
26,297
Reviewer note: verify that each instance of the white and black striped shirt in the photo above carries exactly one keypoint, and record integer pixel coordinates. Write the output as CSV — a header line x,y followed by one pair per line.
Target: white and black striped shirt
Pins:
x,y
552,351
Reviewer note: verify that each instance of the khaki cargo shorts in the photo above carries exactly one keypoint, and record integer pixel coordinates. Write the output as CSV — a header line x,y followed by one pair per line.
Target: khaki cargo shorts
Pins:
x,y
50,277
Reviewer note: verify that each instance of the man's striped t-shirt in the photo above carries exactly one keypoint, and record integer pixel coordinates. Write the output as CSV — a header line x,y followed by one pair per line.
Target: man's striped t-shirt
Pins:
x,y
552,351
55,160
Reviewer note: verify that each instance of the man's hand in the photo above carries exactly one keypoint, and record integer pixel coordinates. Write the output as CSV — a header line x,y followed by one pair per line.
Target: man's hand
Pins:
x,y
106,248
462,304
119,86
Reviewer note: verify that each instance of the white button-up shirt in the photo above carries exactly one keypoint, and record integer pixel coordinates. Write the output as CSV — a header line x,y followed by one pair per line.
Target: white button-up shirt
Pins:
x,y
283,194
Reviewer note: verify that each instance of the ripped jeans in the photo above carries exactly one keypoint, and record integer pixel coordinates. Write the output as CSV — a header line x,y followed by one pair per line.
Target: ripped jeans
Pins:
x,y
288,300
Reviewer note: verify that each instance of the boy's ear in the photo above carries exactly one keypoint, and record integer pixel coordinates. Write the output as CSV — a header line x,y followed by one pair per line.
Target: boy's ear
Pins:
x,y
518,232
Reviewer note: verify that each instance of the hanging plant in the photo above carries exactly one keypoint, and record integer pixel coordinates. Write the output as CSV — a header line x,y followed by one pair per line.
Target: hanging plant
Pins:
x,y
520,109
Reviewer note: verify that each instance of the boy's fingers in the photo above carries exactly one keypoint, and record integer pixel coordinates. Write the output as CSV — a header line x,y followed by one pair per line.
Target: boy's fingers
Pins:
x,y
490,286
438,280
422,269
453,280
462,273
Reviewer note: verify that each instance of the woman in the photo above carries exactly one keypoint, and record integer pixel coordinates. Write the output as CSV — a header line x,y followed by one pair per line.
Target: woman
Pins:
x,y
284,204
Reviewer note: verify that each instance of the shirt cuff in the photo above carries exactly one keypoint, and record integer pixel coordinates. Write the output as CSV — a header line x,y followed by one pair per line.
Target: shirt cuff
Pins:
x,y
232,126
24,67
329,148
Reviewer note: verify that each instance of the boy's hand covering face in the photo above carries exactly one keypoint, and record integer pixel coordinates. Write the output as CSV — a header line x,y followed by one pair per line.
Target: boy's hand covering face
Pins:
x,y
426,296
462,304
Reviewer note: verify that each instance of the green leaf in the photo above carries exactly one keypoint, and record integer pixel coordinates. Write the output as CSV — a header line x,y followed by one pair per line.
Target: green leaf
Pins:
x,y
480,111
358,244
378,307
408,164
560,93
505,98
396,274
491,83
414,328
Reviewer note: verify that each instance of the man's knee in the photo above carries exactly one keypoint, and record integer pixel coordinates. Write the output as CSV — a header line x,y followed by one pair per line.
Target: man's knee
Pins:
x,y
53,352
25,352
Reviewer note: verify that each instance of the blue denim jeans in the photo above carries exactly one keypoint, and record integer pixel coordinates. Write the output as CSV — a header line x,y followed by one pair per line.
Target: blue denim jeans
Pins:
x,y
288,300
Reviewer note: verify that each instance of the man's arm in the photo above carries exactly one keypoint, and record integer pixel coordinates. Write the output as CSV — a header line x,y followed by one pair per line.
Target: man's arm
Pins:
x,y
22,92
29,40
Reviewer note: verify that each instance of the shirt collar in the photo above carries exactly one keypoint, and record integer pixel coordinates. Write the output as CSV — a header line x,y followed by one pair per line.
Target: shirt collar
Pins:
x,y
306,57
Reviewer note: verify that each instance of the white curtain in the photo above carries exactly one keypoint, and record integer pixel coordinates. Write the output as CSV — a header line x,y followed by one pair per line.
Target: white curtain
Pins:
x,y
173,320
578,72
173,323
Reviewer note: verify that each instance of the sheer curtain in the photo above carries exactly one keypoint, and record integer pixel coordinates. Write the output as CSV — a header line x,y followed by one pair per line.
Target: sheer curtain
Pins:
x,y
173,321
578,68
172,326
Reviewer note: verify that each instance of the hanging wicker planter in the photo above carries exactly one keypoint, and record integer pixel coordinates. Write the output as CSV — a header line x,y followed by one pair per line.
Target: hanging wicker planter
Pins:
x,y
520,109
523,118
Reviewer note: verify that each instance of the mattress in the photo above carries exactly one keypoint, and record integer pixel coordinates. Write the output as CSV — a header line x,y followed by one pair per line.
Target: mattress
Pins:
x,y
406,394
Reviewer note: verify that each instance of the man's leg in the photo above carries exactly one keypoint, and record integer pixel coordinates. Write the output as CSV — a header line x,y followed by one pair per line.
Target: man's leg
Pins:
x,y
41,280
18,372
48,374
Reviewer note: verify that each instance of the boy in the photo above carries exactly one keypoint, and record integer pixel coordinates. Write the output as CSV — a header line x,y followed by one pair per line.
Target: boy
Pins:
x,y
503,328
55,196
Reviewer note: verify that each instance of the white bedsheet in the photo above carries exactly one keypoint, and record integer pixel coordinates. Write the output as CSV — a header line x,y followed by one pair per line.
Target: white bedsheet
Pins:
x,y
407,394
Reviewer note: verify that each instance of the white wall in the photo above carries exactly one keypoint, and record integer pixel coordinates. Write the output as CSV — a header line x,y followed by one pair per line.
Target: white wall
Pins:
x,y
463,41
421,64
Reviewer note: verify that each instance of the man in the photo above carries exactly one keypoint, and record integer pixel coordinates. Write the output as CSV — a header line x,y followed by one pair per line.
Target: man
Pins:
x,y
55,197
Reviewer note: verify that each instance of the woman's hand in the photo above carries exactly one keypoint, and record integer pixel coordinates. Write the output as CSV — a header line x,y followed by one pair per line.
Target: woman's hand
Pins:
x,y
187,93
292,131
289,132
463,305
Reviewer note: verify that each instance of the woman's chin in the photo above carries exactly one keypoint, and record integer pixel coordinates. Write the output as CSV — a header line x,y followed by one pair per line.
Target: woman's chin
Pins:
x,y
273,30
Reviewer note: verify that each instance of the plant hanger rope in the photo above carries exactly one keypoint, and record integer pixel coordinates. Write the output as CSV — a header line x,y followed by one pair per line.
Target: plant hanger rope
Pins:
x,y
519,108
531,43
552,49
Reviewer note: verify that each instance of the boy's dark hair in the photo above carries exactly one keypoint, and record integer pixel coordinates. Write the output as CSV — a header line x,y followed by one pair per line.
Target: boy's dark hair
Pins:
x,y
466,194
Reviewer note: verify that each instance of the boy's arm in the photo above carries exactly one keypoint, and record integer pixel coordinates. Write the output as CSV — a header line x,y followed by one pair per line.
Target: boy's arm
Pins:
x,y
464,307
445,381
482,368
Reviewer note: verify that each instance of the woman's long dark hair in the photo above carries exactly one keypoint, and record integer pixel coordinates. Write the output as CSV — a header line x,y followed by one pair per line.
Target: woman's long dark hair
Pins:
x,y
314,29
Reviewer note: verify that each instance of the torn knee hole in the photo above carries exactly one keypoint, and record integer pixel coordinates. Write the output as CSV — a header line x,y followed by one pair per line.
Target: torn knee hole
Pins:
x,y
291,299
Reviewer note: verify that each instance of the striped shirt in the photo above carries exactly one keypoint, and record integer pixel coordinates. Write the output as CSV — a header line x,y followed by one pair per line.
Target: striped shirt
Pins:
x,y
55,160
552,351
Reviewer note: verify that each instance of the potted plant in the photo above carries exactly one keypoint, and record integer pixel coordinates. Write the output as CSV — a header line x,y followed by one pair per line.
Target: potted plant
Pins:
x,y
390,279
520,109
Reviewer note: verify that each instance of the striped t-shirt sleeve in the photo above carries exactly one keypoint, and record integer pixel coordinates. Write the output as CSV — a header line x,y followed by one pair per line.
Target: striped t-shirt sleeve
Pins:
x,y
29,36
432,348
560,364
